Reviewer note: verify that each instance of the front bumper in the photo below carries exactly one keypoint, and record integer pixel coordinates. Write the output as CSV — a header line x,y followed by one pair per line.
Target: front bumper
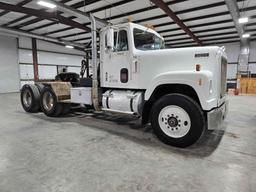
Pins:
x,y
216,116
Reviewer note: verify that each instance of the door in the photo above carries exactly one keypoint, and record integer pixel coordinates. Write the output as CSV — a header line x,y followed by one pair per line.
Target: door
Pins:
x,y
117,63
9,67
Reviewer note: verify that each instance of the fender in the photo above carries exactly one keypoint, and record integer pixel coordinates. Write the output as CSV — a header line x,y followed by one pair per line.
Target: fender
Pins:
x,y
199,81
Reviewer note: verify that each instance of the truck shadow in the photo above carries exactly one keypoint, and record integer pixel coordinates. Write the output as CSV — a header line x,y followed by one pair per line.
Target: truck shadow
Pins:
x,y
132,130
203,148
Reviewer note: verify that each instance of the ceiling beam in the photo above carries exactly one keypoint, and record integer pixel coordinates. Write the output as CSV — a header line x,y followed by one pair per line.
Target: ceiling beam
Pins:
x,y
20,4
162,5
75,12
205,39
76,6
199,25
25,16
161,16
43,15
82,5
148,8
189,10
203,31
17,32
101,9
235,14
213,5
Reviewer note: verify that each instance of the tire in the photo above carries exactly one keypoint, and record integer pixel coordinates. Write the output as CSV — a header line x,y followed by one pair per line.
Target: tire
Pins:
x,y
40,87
177,120
49,104
66,108
30,98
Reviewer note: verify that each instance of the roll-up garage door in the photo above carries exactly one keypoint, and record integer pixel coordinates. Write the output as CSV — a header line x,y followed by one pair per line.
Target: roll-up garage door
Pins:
x,y
9,68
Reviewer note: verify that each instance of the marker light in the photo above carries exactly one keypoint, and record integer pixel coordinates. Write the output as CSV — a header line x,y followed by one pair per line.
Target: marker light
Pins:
x,y
198,67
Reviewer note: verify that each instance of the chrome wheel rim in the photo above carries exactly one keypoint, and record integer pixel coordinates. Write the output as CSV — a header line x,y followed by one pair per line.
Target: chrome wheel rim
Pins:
x,y
174,121
48,101
27,98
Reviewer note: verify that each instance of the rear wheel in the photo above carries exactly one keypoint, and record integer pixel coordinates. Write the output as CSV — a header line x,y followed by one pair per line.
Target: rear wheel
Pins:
x,y
66,108
40,87
177,120
30,98
49,103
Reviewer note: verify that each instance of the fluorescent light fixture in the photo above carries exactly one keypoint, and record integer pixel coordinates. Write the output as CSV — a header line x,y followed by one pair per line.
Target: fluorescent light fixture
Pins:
x,y
246,35
243,20
69,46
46,4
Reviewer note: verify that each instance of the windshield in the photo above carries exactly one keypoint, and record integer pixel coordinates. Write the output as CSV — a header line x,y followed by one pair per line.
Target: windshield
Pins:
x,y
144,40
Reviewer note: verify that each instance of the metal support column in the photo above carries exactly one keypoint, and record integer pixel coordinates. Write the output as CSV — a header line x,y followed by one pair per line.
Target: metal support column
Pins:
x,y
35,59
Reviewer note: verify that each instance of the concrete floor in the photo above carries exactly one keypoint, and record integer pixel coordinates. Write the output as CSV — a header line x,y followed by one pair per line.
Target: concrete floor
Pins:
x,y
114,153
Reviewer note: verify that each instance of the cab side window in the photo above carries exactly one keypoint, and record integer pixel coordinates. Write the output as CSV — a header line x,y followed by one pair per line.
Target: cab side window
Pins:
x,y
121,41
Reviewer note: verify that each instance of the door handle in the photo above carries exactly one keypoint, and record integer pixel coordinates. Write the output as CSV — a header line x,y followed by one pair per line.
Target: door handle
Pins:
x,y
135,66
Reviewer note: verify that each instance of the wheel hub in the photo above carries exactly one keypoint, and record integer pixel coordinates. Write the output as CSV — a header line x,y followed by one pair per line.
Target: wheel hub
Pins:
x,y
27,98
174,121
48,101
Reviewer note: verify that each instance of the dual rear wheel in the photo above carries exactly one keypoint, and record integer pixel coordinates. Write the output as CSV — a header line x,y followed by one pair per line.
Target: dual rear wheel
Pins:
x,y
35,98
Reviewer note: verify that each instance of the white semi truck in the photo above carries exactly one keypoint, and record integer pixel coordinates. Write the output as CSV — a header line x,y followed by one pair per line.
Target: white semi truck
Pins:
x,y
181,92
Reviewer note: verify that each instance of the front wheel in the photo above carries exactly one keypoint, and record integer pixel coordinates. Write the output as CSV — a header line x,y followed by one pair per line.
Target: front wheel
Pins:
x,y
177,120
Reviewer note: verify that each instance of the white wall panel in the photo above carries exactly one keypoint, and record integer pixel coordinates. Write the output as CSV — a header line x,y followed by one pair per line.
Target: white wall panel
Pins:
x,y
74,69
46,46
252,68
232,50
9,68
26,72
59,59
232,70
253,52
25,56
47,72
25,42
26,82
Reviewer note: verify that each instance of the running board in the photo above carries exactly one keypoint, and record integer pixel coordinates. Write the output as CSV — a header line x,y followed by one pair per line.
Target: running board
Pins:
x,y
118,111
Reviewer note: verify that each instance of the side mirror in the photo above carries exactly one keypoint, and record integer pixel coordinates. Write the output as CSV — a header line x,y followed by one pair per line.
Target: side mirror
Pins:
x,y
110,38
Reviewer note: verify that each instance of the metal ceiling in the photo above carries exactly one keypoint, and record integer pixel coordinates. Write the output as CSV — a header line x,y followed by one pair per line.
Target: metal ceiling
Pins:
x,y
180,22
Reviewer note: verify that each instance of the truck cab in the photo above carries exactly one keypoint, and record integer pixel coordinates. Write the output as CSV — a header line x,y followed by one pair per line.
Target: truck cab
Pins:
x,y
135,65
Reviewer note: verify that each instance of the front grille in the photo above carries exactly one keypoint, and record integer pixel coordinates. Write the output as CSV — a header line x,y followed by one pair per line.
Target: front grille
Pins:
x,y
224,65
